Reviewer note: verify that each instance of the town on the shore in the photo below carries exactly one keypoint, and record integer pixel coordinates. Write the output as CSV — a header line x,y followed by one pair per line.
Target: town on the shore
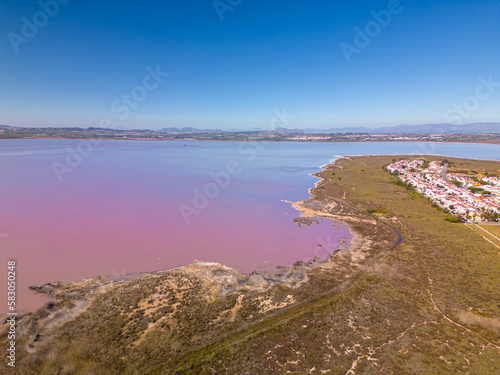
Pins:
x,y
467,195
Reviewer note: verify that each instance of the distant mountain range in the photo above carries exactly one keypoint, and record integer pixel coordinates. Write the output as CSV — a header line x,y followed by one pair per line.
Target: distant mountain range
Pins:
x,y
289,131
189,130
473,128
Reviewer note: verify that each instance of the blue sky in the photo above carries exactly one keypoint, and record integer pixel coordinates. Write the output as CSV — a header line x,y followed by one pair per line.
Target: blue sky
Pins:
x,y
263,56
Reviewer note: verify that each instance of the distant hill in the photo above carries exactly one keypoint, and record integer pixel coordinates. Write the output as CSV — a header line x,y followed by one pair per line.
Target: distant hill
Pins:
x,y
473,128
480,128
289,131
189,130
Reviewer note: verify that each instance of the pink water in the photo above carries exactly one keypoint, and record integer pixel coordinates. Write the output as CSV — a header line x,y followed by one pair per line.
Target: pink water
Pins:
x,y
118,213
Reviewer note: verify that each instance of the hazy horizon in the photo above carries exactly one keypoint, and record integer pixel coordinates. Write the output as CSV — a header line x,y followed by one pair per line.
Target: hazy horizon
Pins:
x,y
203,65
235,129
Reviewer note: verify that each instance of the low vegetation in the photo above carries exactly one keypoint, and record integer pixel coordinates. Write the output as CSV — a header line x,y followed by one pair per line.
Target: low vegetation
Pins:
x,y
414,294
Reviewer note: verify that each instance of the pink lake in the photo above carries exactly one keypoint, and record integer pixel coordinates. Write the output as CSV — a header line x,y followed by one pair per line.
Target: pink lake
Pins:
x,y
118,211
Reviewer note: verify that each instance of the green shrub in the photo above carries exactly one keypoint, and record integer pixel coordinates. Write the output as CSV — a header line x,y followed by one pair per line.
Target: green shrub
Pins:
x,y
401,184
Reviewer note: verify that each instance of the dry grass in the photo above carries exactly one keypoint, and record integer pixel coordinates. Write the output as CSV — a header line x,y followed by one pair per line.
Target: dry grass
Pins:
x,y
391,311
470,318
492,228
486,234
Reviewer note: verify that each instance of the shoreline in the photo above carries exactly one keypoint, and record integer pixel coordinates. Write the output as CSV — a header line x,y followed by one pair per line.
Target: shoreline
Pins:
x,y
275,271
420,155
303,207
248,140
372,298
